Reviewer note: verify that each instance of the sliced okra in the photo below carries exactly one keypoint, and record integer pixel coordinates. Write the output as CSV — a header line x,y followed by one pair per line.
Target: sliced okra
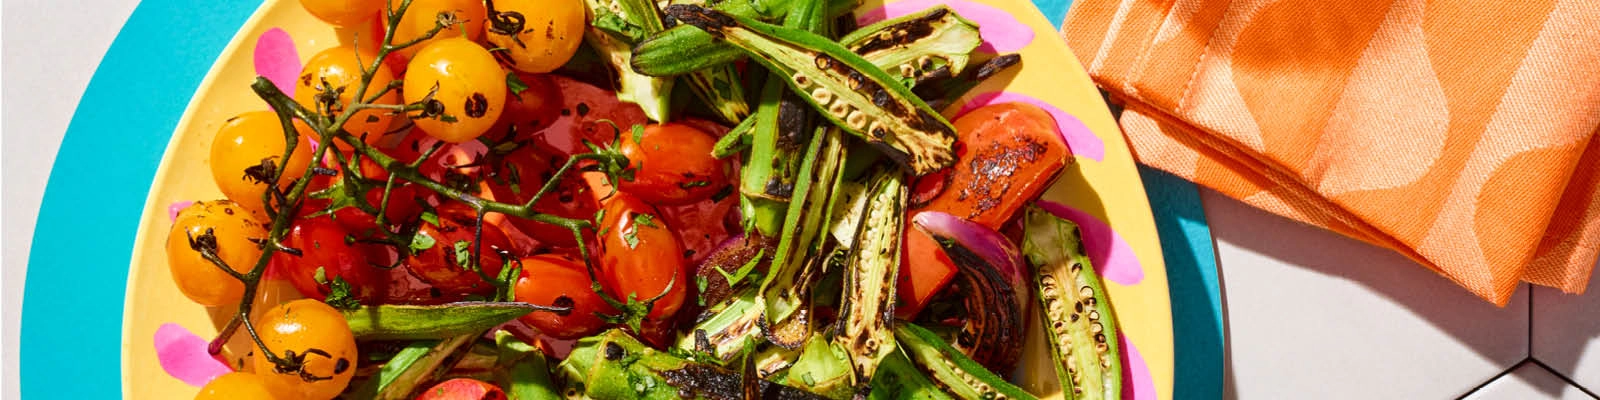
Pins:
x,y
618,26
1080,326
845,88
869,281
726,328
613,365
787,287
408,322
958,375
917,44
942,87
735,141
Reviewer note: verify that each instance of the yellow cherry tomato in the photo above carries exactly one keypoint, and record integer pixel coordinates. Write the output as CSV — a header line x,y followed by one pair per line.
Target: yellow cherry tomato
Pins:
x,y
468,87
422,15
339,69
316,338
232,229
538,35
241,151
236,386
343,12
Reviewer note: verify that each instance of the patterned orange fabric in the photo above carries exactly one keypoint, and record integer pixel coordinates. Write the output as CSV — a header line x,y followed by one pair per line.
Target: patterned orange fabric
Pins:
x,y
1457,132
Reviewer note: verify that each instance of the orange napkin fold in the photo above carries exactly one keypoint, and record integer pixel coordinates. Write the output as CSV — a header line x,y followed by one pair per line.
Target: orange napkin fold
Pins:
x,y
1457,132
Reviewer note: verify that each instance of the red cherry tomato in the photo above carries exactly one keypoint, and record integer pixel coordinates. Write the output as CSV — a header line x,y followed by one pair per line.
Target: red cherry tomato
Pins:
x,y
582,106
436,258
531,110
672,164
640,256
703,225
551,280
325,246
463,389
519,175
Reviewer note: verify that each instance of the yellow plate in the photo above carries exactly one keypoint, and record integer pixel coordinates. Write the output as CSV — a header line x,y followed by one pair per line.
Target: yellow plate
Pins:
x,y
1103,184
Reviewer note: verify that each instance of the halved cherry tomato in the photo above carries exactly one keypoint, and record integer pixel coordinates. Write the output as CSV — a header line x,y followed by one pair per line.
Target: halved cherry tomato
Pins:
x,y
315,335
582,107
552,280
439,250
640,257
463,389
924,271
325,246
1007,154
672,164
520,174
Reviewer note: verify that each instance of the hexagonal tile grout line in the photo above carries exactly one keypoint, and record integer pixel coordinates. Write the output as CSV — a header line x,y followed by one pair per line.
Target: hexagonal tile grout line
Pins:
x,y
1529,359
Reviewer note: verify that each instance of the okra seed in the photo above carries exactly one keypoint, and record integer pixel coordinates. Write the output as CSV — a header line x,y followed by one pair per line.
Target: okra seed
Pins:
x,y
1079,308
907,71
801,80
1096,327
1094,315
1085,291
839,110
822,96
857,120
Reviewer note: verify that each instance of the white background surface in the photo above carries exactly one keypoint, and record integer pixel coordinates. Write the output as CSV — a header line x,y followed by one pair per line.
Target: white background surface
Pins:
x,y
1310,314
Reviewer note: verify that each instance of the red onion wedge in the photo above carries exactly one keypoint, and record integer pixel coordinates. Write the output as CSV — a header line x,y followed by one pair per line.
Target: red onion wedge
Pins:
x,y
992,280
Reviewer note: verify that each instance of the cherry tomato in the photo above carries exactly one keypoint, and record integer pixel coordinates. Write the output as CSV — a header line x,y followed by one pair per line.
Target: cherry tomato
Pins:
x,y
232,228
1007,154
672,164
583,106
315,336
241,150
440,247
640,256
422,15
925,270
531,110
400,285
235,386
552,280
339,69
518,178
326,247
463,389
538,35
471,89
342,12
703,225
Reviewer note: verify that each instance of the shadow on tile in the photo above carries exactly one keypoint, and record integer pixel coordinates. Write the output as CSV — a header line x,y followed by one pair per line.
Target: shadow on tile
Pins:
x,y
1566,334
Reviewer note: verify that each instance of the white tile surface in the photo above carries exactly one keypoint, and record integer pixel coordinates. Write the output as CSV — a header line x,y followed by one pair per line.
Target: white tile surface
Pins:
x,y
1314,315
1528,382
1566,333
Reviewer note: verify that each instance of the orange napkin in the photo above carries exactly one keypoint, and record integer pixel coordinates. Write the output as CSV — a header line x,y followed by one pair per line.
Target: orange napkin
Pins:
x,y
1457,132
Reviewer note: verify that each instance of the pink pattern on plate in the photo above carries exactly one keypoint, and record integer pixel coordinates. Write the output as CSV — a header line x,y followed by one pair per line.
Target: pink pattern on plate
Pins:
x,y
1113,258
183,355
176,207
1001,32
1136,382
1079,138
277,60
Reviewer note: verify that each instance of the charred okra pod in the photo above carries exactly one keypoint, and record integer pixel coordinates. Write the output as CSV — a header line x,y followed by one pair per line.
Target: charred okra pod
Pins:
x,y
786,288
898,379
845,88
766,181
408,322
613,365
869,277
617,26
917,44
1079,324
726,328
960,376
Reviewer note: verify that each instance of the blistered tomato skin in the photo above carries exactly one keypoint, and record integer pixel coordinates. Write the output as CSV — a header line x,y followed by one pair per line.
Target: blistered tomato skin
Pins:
x,y
1008,154
640,257
236,386
467,87
314,336
231,229
241,151
422,16
343,12
538,35
339,69
672,164
551,280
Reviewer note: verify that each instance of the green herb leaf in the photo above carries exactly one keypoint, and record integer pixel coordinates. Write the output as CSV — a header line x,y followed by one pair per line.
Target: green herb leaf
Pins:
x,y
645,220
599,217
464,255
638,134
339,294
420,242
744,270
430,217
631,238
322,276
514,83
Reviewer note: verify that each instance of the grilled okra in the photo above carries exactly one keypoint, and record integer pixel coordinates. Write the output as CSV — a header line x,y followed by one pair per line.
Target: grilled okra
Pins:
x,y
869,281
845,88
898,379
917,44
789,279
726,328
958,375
618,25
408,322
1079,324
613,365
